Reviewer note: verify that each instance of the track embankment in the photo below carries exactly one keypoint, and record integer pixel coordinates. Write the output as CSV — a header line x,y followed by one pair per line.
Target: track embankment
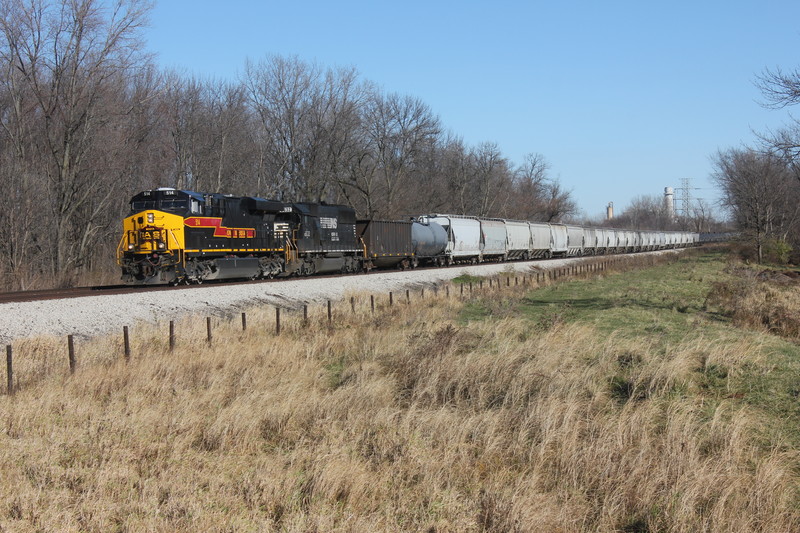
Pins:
x,y
89,312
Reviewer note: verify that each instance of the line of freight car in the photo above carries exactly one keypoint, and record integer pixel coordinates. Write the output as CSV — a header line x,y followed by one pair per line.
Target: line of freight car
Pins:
x,y
463,239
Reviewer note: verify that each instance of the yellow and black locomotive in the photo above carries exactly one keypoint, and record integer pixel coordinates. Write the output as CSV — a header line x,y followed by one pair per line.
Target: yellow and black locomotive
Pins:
x,y
174,236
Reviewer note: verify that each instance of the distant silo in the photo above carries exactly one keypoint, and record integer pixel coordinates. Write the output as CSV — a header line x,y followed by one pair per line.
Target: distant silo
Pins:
x,y
669,200
610,211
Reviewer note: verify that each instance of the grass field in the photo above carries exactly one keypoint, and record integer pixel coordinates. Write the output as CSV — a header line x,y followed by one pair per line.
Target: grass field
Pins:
x,y
659,399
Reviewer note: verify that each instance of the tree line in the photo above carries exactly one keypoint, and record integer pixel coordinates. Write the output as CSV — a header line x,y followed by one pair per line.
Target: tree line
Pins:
x,y
761,183
87,120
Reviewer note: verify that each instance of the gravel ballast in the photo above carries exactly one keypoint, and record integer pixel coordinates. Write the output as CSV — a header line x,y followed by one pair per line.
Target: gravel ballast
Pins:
x,y
97,315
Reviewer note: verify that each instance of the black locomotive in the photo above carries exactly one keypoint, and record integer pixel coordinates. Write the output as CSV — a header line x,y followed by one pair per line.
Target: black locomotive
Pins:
x,y
176,236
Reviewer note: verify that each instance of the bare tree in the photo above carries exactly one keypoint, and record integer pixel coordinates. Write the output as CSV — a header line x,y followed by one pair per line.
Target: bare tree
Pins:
x,y
557,203
702,217
339,128
646,212
491,181
284,94
399,129
69,60
456,173
781,89
537,196
760,193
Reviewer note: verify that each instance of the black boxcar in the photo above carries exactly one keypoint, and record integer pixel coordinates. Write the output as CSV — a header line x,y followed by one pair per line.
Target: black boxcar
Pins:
x,y
388,243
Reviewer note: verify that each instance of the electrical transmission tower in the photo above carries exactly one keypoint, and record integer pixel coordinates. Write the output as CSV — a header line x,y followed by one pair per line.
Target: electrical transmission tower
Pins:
x,y
686,196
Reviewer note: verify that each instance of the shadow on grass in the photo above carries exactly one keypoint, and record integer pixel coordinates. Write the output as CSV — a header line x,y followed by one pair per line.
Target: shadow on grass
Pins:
x,y
604,304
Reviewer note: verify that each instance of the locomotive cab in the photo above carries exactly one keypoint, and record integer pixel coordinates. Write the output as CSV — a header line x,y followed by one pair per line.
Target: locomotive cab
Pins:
x,y
152,247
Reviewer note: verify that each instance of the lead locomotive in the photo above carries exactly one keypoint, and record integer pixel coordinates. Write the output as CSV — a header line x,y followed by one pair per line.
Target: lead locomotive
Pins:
x,y
174,236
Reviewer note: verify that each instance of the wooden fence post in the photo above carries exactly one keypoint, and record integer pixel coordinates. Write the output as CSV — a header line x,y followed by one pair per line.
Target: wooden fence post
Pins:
x,y
71,353
208,329
126,340
277,321
244,321
9,371
330,313
171,335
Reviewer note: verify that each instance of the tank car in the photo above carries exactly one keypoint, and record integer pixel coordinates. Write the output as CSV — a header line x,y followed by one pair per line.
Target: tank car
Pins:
x,y
463,237
429,241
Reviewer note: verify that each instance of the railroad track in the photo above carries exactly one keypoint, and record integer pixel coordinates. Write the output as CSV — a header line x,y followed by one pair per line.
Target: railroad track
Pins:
x,y
80,292
74,292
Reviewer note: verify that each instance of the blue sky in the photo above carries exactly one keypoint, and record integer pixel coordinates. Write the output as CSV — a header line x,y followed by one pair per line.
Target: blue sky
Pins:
x,y
622,98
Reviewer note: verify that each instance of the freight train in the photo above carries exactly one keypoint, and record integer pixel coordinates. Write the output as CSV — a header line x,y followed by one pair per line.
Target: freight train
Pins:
x,y
173,236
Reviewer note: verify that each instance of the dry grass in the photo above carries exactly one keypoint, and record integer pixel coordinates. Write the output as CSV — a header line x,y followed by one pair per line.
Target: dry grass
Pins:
x,y
760,303
408,420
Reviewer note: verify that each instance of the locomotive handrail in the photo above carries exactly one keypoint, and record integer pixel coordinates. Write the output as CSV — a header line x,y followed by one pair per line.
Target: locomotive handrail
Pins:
x,y
363,246
181,254
120,251
291,248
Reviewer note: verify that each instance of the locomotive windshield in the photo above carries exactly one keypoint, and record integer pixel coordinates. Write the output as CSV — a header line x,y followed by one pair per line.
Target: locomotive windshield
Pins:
x,y
142,205
174,204
170,200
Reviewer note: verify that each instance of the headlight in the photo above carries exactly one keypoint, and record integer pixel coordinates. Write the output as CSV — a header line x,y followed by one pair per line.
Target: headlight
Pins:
x,y
161,245
150,218
131,247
